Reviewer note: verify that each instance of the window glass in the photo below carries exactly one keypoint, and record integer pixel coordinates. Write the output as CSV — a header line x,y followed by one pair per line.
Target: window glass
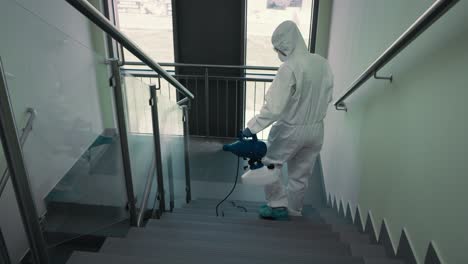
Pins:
x,y
263,16
149,24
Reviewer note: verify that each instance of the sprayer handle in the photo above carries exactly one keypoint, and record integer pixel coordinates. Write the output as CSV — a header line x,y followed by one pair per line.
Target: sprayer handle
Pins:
x,y
242,136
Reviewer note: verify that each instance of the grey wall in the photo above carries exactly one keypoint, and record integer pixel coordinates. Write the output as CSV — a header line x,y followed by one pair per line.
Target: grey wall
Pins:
x,y
209,31
401,149
323,27
48,54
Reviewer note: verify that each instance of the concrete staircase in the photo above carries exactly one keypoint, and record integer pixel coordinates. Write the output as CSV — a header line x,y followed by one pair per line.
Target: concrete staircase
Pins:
x,y
194,234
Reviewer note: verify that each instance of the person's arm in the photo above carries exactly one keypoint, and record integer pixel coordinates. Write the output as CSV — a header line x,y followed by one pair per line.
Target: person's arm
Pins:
x,y
275,100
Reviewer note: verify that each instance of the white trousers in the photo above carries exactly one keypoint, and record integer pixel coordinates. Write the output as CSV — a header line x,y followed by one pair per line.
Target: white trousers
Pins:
x,y
299,147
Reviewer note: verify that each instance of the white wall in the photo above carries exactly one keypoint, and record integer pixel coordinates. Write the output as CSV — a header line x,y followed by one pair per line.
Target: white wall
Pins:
x,y
401,149
47,52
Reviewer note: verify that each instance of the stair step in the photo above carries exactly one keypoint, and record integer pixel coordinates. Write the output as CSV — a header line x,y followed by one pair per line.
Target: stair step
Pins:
x,y
212,212
226,208
354,238
141,235
190,214
375,251
382,261
219,254
99,258
233,228
225,205
241,221
235,234
207,215
80,257
211,202
293,219
246,248
246,226
334,219
343,228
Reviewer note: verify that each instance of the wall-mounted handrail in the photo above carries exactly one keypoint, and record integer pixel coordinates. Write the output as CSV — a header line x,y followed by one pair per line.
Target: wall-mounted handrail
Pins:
x,y
431,15
88,10
25,133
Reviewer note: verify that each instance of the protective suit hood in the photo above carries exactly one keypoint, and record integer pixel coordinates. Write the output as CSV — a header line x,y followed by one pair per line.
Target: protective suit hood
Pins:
x,y
288,39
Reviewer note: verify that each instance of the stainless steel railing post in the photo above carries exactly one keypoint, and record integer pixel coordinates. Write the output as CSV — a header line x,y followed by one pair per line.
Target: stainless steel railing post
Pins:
x,y
188,184
19,175
207,103
146,193
4,256
157,151
123,137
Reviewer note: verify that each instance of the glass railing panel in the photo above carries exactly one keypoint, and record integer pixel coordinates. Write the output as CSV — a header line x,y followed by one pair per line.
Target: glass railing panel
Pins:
x,y
140,137
172,148
73,155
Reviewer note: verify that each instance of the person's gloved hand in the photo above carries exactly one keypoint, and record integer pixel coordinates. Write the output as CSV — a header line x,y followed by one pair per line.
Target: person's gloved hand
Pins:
x,y
247,133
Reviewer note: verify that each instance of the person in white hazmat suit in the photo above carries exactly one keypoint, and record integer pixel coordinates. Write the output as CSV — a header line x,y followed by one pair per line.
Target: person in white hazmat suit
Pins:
x,y
297,101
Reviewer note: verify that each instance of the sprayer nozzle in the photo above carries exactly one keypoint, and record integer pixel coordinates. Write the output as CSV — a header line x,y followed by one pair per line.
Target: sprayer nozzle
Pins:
x,y
226,147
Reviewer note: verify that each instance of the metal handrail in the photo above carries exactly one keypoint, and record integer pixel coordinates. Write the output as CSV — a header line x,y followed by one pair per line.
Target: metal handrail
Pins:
x,y
431,15
175,64
4,256
88,10
182,101
25,133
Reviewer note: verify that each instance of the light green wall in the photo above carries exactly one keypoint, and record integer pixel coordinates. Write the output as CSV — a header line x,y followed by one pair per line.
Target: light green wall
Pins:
x,y
415,150
402,147
47,51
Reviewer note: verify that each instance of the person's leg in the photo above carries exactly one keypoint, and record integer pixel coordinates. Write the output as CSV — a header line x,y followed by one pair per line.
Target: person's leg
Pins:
x,y
282,145
300,168
275,193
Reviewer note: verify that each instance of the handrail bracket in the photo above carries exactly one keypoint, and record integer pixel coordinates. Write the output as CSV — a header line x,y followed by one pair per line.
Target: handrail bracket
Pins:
x,y
389,78
341,107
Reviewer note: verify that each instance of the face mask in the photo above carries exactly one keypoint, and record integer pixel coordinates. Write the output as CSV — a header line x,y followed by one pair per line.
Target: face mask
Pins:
x,y
282,57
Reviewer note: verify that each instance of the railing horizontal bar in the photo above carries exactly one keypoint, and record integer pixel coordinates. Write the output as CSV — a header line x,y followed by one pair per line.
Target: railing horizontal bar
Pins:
x,y
168,64
131,71
153,75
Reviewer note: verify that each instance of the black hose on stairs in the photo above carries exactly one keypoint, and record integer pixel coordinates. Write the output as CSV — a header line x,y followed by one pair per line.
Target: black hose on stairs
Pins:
x,y
232,189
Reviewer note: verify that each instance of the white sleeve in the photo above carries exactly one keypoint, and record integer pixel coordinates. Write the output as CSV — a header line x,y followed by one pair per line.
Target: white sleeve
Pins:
x,y
275,100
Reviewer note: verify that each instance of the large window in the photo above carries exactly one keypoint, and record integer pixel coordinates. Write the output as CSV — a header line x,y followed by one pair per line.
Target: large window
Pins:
x,y
263,16
149,24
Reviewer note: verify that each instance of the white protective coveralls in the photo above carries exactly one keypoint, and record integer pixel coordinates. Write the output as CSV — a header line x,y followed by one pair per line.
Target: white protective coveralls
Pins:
x,y
297,101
